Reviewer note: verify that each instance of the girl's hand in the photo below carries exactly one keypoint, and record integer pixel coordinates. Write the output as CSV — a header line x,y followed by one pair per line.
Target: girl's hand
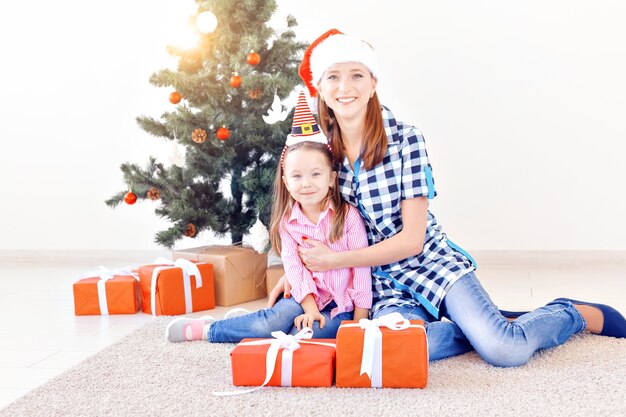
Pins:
x,y
282,286
307,320
317,257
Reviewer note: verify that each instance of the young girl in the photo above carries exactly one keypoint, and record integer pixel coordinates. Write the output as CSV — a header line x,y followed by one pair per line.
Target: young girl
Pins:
x,y
307,205
419,271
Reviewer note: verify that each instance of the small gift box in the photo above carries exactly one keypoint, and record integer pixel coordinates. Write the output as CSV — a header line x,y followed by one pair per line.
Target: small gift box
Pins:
x,y
272,275
180,287
388,352
239,271
107,291
292,361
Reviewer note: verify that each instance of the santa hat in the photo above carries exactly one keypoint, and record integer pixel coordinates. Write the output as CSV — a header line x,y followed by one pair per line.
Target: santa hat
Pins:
x,y
331,48
304,127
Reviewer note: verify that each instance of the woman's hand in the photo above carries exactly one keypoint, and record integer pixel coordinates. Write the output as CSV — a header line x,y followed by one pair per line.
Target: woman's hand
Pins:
x,y
282,286
318,257
307,320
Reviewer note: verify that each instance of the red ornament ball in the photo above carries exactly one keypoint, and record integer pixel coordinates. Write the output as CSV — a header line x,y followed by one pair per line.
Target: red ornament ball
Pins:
x,y
175,97
130,198
253,58
223,133
235,81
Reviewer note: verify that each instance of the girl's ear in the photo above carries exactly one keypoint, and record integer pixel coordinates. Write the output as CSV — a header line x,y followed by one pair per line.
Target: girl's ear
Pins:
x,y
333,179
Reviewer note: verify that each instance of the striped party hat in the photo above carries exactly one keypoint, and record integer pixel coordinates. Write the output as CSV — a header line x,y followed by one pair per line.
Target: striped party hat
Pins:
x,y
304,127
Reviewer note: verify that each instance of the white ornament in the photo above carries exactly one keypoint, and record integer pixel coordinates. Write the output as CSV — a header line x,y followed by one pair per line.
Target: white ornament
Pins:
x,y
206,22
259,236
275,113
176,157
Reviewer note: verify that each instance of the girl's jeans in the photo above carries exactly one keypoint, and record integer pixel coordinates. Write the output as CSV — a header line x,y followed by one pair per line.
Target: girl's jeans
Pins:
x,y
476,324
262,323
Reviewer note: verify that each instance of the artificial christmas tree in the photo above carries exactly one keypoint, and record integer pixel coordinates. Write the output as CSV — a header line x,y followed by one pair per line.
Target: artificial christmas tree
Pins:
x,y
219,123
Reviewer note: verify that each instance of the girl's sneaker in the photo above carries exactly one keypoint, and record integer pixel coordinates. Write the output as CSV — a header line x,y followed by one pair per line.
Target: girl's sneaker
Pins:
x,y
184,329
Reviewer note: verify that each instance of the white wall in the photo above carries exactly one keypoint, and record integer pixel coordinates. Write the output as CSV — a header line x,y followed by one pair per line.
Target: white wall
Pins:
x,y
521,103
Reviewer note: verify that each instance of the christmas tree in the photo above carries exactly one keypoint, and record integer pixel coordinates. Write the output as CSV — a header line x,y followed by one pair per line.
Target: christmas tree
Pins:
x,y
229,118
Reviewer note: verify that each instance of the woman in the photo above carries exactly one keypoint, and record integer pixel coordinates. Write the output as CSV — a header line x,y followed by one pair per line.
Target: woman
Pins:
x,y
417,270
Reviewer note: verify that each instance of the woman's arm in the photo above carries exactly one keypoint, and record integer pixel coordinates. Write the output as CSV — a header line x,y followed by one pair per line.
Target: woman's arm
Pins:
x,y
409,242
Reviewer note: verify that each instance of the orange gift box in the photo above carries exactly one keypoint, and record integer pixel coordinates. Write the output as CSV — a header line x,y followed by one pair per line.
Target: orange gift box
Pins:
x,y
173,290
312,365
400,356
122,296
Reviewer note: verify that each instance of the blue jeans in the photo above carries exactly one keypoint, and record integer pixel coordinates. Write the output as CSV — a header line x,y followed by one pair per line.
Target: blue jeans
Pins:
x,y
262,323
476,324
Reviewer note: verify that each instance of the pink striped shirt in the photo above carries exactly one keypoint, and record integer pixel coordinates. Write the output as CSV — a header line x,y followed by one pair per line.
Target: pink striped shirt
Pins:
x,y
348,287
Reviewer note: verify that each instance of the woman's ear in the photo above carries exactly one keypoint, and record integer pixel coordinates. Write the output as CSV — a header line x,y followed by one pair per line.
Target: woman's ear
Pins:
x,y
319,91
374,83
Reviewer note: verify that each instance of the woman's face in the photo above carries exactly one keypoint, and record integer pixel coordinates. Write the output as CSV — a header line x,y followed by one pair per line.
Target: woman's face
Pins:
x,y
346,88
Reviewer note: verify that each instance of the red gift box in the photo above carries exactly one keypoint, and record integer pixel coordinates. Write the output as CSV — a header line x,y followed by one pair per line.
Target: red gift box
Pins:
x,y
172,288
107,292
386,352
312,364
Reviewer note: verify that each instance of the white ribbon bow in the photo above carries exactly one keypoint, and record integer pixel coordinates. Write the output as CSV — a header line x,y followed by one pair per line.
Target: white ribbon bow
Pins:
x,y
106,274
288,343
373,337
188,268
372,358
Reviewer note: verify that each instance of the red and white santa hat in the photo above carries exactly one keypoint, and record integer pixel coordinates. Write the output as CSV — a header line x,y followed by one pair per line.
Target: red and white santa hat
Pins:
x,y
334,47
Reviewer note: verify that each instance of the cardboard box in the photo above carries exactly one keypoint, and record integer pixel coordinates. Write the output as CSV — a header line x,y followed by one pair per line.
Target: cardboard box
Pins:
x,y
272,275
122,296
239,271
171,293
312,365
401,355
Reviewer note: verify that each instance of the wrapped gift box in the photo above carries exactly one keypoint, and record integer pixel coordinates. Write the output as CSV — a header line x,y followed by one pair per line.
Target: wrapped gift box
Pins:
x,y
172,290
272,275
312,365
239,271
121,295
399,360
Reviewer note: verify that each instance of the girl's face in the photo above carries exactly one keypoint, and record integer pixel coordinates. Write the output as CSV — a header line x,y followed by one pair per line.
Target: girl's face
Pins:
x,y
308,177
346,88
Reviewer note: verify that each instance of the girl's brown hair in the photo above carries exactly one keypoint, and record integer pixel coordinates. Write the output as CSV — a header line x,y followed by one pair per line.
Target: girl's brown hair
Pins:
x,y
374,145
283,202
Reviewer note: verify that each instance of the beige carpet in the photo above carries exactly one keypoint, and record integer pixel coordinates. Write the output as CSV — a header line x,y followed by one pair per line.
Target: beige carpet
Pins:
x,y
143,375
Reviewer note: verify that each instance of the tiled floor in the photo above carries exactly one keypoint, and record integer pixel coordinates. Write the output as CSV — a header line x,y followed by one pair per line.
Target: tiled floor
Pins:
x,y
41,337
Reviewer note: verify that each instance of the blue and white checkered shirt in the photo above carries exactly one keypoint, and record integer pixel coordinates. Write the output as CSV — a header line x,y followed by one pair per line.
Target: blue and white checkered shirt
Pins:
x,y
404,173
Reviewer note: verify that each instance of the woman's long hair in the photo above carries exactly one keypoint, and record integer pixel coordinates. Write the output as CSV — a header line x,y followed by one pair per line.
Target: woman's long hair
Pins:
x,y
283,202
374,145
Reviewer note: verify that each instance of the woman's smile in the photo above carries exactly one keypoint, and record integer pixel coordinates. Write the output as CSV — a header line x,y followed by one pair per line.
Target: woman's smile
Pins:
x,y
346,100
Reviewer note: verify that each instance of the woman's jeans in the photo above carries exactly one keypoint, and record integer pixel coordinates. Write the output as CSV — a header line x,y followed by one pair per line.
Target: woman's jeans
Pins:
x,y
476,324
262,323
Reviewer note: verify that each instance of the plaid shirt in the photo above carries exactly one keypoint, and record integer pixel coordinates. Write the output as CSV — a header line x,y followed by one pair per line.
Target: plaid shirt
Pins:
x,y
404,173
